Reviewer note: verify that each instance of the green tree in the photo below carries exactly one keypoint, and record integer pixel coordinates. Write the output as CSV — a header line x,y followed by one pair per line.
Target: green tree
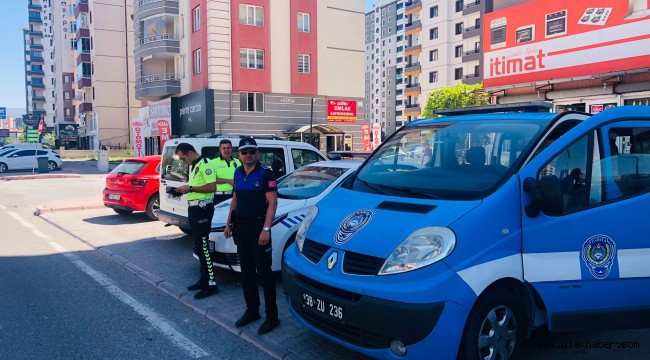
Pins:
x,y
461,95
49,138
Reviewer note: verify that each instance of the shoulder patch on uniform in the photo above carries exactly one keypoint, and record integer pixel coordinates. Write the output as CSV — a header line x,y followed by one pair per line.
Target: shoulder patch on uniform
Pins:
x,y
208,171
272,184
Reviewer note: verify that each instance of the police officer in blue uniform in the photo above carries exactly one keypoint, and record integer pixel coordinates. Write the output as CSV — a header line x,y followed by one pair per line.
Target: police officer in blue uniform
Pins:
x,y
252,211
200,189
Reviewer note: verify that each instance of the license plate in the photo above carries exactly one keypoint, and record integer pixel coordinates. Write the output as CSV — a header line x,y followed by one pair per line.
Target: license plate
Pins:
x,y
113,197
322,307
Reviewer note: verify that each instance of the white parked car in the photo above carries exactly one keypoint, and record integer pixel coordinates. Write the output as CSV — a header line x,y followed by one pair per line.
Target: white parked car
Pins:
x,y
297,192
21,159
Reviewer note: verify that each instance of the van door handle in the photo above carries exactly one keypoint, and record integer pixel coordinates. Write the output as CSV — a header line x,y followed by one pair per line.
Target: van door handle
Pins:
x,y
163,182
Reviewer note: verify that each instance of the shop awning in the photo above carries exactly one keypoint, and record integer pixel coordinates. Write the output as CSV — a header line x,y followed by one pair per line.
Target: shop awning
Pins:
x,y
323,129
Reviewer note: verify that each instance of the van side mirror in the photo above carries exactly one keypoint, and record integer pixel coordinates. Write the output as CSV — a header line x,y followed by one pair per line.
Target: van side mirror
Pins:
x,y
546,194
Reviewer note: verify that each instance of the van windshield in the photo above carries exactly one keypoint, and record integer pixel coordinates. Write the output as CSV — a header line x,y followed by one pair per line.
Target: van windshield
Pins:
x,y
172,168
448,160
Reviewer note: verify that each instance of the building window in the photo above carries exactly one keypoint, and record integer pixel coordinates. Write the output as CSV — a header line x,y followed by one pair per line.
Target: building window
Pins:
x,y
197,61
459,28
458,73
459,5
67,112
433,33
433,55
477,70
196,19
433,11
303,22
66,79
433,77
251,59
251,15
66,95
304,64
251,102
458,51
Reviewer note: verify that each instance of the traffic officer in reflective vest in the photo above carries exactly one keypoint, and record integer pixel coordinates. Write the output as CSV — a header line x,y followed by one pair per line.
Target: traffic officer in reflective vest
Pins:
x,y
225,166
200,189
252,211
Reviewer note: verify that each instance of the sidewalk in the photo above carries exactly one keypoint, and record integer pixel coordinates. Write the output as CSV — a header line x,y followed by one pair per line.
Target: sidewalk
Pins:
x,y
164,260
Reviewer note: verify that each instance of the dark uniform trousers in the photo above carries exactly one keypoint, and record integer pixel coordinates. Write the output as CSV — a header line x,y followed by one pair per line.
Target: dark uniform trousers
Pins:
x,y
201,222
219,198
252,257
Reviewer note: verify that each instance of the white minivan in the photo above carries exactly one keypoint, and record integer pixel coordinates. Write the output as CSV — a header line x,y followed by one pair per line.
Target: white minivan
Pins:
x,y
281,156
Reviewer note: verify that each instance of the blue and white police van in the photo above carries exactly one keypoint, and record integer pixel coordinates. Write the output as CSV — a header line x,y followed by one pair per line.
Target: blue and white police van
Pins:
x,y
506,222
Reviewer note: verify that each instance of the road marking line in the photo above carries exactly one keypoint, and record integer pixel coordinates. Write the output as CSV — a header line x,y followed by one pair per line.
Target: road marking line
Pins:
x,y
40,234
156,320
3,207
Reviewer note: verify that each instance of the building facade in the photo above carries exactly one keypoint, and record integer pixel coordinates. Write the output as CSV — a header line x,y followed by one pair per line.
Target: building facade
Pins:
x,y
104,74
39,62
274,66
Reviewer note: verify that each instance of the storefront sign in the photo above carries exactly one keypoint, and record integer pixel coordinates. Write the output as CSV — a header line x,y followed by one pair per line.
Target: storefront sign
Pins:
x,y
365,133
193,113
341,110
31,120
596,108
68,132
164,131
4,133
564,39
137,137
376,135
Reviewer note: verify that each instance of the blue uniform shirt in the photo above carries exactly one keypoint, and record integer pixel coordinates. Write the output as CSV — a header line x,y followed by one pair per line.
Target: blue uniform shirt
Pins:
x,y
251,191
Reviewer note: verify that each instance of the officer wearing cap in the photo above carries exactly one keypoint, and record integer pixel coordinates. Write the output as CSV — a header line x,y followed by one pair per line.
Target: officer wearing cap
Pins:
x,y
253,206
225,167
200,189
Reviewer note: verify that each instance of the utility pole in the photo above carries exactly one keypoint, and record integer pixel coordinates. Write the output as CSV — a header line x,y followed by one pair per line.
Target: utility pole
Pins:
x,y
311,123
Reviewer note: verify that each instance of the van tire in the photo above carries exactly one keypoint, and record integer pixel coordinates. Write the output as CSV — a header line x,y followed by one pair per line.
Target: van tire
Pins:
x,y
3,167
123,212
506,337
153,205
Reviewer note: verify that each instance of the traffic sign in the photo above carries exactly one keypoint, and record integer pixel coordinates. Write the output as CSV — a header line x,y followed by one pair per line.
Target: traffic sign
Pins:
x,y
31,119
40,127
31,135
3,113
4,133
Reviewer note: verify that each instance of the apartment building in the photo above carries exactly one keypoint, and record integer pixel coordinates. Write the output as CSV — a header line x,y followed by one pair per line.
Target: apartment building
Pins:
x,y
257,67
385,54
104,74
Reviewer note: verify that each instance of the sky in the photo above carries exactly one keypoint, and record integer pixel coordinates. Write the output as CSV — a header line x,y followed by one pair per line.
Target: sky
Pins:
x,y
12,61
12,72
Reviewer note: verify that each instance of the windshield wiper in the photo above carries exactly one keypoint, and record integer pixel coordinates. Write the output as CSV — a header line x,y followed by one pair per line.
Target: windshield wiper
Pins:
x,y
370,186
410,192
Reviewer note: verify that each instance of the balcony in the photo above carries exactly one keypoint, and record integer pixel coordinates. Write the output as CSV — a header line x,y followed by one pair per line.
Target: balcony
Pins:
x,y
37,47
39,111
83,57
85,107
82,32
413,50
157,86
83,82
413,28
147,8
39,99
35,20
38,85
472,7
412,70
412,90
412,110
163,46
413,8
36,59
81,7
472,55
472,79
36,73
34,33
472,31
35,7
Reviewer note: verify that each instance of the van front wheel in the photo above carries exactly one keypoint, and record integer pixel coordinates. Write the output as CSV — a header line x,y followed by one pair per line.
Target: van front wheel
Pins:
x,y
495,328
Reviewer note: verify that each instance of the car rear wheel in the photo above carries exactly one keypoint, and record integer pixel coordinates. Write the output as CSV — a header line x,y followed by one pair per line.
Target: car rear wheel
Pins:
x,y
51,165
495,328
153,205
123,212
3,167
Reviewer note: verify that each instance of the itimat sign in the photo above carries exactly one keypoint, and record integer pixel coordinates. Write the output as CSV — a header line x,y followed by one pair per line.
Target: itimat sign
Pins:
x,y
559,39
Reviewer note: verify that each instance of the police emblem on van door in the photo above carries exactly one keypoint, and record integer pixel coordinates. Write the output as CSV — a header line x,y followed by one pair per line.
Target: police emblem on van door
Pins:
x,y
598,253
351,225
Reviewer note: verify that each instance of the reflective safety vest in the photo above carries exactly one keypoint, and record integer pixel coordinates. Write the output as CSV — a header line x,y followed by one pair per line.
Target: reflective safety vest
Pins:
x,y
201,173
225,170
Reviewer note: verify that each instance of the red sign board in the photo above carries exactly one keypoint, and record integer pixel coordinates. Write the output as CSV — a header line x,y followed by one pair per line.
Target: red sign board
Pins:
x,y
365,131
560,39
40,127
341,110
163,131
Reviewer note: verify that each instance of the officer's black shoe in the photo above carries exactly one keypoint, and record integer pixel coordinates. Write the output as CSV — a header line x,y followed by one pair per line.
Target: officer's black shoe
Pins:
x,y
247,318
268,325
198,286
207,291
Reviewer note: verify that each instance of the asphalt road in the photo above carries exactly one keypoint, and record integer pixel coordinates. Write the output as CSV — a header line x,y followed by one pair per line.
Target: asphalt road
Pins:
x,y
60,299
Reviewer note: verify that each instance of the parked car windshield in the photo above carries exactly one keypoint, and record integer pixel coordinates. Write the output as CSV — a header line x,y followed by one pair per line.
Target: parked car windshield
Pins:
x,y
448,160
128,168
309,181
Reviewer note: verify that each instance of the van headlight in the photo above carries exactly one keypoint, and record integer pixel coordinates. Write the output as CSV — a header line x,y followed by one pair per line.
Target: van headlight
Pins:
x,y
304,226
423,247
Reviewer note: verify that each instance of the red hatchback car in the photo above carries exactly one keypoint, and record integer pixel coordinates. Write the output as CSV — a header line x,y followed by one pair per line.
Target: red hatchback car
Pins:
x,y
133,186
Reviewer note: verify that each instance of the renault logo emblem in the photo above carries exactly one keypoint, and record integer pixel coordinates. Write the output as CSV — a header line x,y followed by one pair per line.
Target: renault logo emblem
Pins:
x,y
331,261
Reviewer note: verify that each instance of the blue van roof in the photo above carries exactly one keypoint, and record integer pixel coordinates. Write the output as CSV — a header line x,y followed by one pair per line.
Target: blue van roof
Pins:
x,y
530,116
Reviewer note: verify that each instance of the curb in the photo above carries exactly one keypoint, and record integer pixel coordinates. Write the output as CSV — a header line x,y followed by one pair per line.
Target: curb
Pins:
x,y
249,334
38,177
42,209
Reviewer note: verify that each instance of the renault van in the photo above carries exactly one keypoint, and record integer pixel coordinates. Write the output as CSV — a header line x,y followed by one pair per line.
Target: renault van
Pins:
x,y
505,223
281,156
